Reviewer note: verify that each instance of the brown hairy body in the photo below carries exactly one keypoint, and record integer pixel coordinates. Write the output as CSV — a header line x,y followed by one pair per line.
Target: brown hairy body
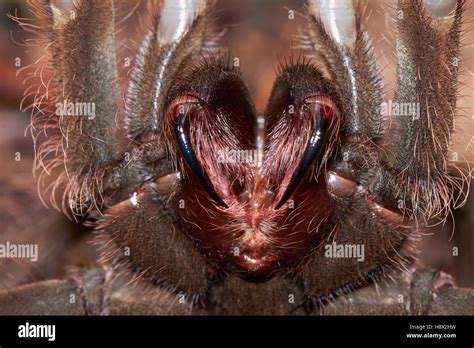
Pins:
x,y
198,234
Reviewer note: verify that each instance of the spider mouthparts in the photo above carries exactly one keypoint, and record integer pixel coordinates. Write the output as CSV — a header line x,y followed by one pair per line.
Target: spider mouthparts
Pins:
x,y
248,201
255,270
255,265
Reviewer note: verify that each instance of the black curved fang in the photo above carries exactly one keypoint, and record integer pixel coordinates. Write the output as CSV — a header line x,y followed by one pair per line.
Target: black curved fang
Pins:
x,y
313,149
184,143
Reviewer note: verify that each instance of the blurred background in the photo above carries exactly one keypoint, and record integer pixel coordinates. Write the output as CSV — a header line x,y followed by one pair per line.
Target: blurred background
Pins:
x,y
261,33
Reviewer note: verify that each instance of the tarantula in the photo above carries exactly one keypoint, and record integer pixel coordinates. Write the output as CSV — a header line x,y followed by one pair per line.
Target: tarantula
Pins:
x,y
212,207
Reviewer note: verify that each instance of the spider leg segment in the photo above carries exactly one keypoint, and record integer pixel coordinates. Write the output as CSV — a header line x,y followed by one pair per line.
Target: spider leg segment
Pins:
x,y
426,93
93,293
83,103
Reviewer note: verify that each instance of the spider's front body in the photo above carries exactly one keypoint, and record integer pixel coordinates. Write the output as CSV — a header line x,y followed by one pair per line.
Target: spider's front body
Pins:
x,y
202,197
236,207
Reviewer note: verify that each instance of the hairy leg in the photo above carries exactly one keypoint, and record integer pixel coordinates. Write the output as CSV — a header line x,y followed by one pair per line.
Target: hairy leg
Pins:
x,y
80,104
427,78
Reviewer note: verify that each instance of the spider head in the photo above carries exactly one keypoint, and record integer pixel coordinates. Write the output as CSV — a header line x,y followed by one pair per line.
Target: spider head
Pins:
x,y
253,193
